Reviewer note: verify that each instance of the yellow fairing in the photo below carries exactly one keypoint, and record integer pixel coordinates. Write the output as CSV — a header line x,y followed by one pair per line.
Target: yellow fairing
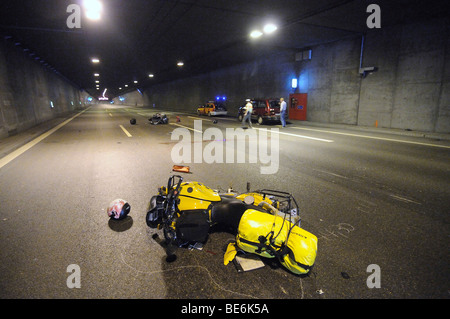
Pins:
x,y
302,245
230,254
194,195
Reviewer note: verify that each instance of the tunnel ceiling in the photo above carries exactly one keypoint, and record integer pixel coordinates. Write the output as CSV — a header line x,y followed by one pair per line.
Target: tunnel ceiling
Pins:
x,y
135,38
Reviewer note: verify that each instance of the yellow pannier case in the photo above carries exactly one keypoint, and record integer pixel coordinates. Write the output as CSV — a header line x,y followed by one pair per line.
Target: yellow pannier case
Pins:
x,y
273,236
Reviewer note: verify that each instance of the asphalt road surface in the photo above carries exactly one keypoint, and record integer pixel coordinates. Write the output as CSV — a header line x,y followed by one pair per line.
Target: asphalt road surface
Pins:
x,y
379,204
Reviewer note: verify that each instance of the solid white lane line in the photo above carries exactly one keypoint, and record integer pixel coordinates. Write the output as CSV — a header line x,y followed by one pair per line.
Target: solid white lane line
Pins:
x,y
212,118
300,136
371,137
277,132
403,199
189,128
125,131
197,118
11,156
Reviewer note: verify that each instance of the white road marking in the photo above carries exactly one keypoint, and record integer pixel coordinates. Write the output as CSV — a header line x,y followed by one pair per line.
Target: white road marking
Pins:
x,y
125,131
300,136
284,133
372,137
11,156
189,128
213,118
403,199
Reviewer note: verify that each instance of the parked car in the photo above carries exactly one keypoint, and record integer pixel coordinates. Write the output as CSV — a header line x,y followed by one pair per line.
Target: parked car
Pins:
x,y
212,109
264,110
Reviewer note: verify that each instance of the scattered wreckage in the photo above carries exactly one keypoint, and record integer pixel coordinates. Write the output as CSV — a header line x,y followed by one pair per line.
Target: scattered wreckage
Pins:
x,y
159,118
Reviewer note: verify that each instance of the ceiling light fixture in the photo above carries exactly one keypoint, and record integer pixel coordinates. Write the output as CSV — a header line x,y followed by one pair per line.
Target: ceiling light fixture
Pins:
x,y
150,75
180,63
256,34
93,9
270,28
95,60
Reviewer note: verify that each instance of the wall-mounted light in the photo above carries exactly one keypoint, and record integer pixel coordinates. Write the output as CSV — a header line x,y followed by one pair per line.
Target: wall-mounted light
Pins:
x,y
294,83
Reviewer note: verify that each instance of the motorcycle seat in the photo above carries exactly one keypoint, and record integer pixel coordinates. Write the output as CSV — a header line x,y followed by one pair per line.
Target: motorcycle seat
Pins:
x,y
227,213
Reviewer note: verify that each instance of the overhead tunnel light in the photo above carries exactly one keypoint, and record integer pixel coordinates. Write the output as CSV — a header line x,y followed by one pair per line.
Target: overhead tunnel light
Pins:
x,y
270,28
93,9
256,34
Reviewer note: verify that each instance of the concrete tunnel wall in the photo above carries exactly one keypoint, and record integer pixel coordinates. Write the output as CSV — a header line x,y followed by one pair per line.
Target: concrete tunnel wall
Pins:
x,y
410,89
31,93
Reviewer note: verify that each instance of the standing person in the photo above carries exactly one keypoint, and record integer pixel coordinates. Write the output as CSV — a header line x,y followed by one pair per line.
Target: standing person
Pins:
x,y
283,108
248,114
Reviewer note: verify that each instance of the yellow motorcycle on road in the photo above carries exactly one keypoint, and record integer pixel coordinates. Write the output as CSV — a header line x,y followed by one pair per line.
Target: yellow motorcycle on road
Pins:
x,y
265,222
